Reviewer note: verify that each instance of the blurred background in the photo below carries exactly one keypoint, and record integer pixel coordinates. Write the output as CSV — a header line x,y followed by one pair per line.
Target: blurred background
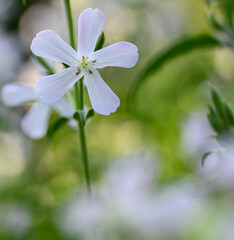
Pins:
x,y
145,159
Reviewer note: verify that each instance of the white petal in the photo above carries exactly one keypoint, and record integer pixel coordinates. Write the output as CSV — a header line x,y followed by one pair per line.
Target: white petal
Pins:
x,y
52,88
49,45
121,54
35,122
14,94
90,25
103,99
64,108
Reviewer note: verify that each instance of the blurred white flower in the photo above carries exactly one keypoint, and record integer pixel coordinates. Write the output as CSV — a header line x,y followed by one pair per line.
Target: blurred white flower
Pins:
x,y
15,218
35,122
218,167
197,135
127,202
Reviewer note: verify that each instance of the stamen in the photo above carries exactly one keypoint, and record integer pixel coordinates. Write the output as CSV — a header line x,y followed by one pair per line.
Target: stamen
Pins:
x,y
94,61
78,71
90,71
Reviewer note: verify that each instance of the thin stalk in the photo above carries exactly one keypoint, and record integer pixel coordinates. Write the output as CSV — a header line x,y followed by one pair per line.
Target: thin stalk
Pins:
x,y
79,95
81,87
84,154
70,22
44,64
72,36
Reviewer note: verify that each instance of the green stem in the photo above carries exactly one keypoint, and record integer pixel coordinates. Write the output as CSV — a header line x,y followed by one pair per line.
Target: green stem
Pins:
x,y
79,95
81,87
44,64
70,22
76,86
84,154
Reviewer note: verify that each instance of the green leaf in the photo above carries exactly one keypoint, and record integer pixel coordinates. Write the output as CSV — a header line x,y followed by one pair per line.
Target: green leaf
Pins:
x,y
100,42
204,157
54,128
24,2
215,23
214,123
229,114
80,116
220,106
181,47
90,113
228,9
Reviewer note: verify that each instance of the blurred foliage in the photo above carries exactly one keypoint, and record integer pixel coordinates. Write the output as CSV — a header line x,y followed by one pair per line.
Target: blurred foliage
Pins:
x,y
54,128
221,18
221,116
163,94
177,49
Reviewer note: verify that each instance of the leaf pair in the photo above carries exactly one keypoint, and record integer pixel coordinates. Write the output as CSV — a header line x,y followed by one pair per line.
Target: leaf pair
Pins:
x,y
81,116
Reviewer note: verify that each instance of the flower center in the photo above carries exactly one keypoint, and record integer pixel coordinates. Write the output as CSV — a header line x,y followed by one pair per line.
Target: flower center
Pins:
x,y
85,64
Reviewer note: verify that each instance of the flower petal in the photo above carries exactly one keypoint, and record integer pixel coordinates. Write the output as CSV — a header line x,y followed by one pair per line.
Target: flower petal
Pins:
x,y
49,45
15,94
52,88
90,25
64,107
35,122
103,99
121,54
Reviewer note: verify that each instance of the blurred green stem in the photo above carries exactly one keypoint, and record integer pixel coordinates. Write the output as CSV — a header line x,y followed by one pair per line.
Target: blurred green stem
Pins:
x,y
79,103
45,64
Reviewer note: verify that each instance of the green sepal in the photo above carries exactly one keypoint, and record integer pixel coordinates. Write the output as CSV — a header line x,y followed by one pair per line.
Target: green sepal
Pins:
x,y
82,115
89,114
100,42
54,127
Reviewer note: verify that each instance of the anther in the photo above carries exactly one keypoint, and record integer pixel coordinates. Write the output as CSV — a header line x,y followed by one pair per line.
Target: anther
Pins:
x,y
78,71
94,61
90,71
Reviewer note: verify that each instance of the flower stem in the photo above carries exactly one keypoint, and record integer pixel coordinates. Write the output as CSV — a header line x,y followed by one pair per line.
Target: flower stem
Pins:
x,y
70,22
84,154
81,87
79,104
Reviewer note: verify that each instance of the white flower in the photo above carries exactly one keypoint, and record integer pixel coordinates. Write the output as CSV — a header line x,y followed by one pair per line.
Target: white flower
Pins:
x,y
35,122
83,63
219,168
